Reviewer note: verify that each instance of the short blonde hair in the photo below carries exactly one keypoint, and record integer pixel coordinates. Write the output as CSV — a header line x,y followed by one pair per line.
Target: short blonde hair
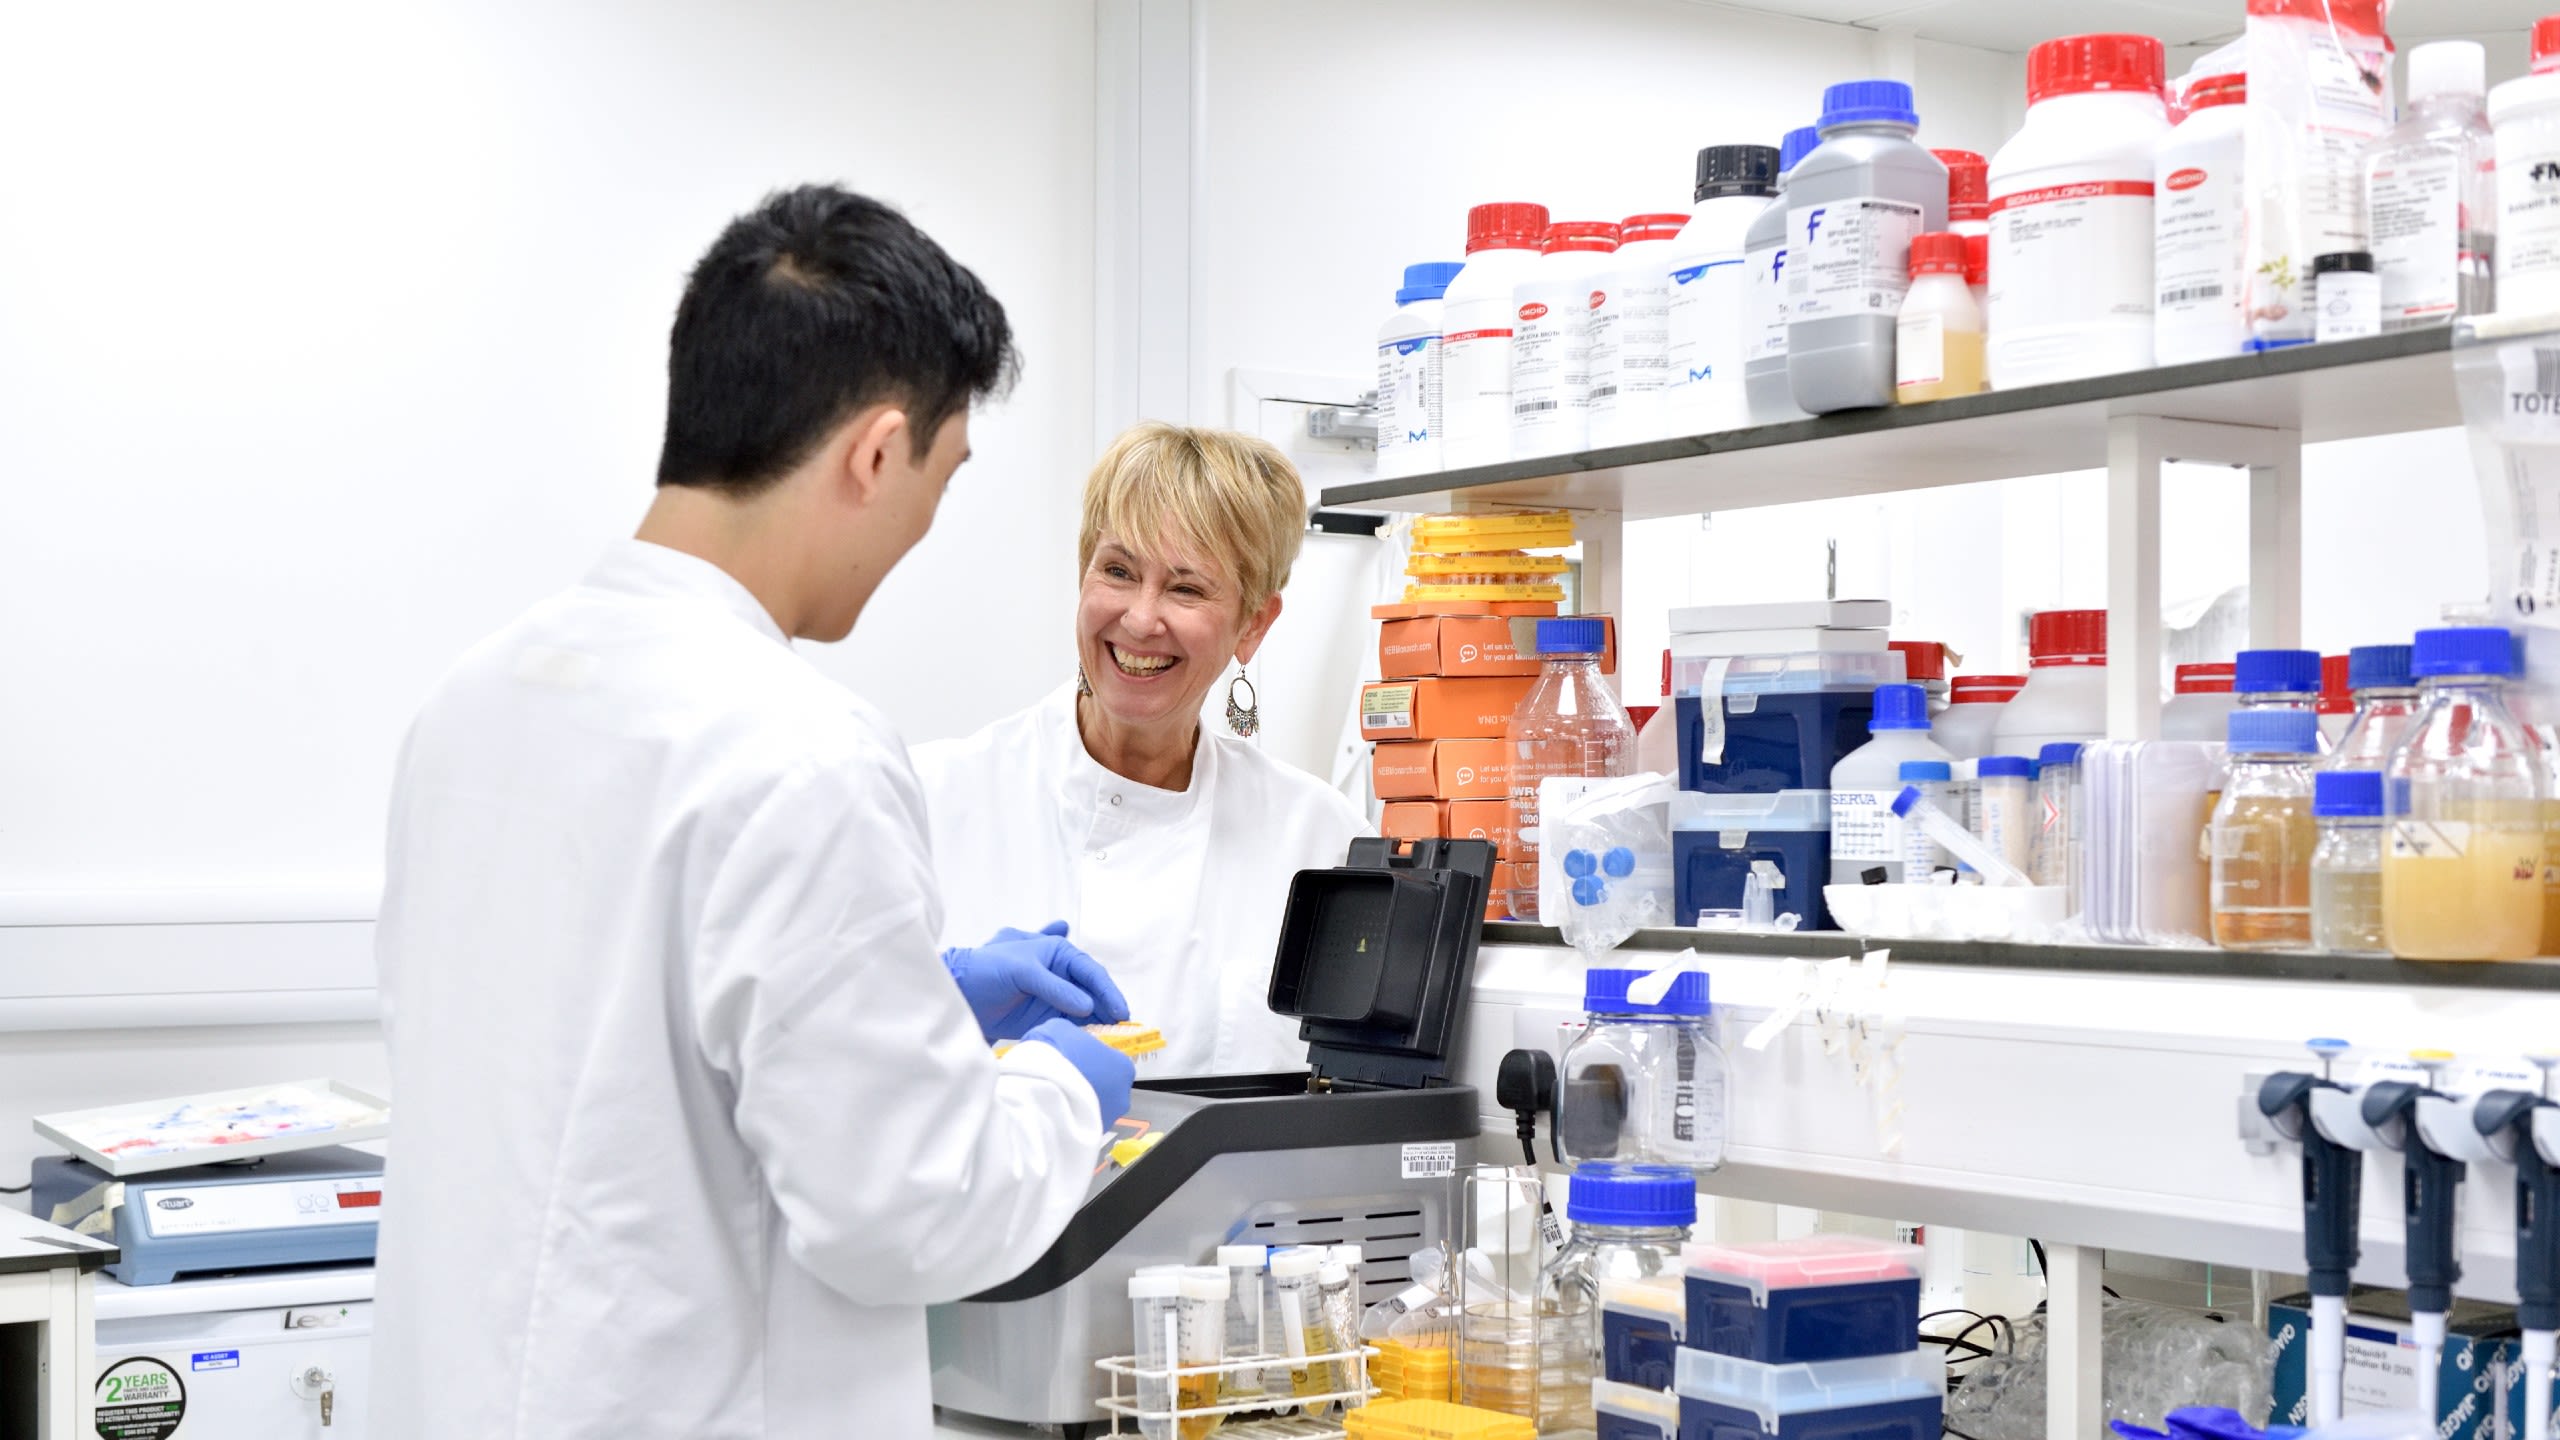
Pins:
x,y
1228,496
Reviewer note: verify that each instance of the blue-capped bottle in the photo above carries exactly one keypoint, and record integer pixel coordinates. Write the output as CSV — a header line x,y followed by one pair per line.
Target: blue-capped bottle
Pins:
x,y
1853,207
1629,1223
1766,396
2263,834
1644,1083
2463,793
1409,373
1569,726
2386,701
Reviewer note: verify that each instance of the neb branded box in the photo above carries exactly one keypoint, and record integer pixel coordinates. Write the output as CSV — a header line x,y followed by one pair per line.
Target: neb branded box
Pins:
x,y
2476,1390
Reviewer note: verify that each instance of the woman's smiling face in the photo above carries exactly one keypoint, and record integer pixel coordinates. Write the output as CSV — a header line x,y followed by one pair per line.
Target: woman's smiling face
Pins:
x,y
1155,633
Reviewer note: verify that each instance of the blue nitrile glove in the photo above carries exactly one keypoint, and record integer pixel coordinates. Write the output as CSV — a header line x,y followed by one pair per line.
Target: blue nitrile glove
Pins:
x,y
1107,1070
1018,979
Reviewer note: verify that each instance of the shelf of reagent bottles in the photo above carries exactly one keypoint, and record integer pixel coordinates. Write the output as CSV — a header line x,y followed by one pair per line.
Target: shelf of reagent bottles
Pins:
x,y
2163,961
2345,390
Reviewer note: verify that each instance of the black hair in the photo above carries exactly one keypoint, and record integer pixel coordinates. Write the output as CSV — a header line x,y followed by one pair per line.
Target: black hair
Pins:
x,y
808,308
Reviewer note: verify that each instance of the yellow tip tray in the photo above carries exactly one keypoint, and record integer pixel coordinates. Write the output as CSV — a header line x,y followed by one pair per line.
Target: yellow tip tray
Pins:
x,y
1128,1037
1433,1420
1424,567
1523,530
1434,594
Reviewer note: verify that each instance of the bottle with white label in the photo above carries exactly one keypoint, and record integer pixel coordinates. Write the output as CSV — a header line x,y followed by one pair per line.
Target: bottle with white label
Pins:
x,y
2197,250
2430,187
1937,342
1551,338
1853,206
1409,373
2071,215
1865,833
1702,382
1475,333
2525,114
1631,332
1765,392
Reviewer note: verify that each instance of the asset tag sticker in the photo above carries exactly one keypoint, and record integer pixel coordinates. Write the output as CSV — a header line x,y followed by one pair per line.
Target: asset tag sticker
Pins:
x,y
215,1360
140,1399
1431,1160
1387,707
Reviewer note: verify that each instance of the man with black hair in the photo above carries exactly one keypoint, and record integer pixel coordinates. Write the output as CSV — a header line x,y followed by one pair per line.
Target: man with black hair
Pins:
x,y
693,1120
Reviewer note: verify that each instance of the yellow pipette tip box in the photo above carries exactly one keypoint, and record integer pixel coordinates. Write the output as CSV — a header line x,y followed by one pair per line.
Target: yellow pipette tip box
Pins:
x,y
1521,530
1428,594
1510,562
1127,1036
1433,1420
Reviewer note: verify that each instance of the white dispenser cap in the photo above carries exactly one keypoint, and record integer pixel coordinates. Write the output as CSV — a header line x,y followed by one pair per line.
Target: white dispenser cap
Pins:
x,y
1346,1256
2448,67
1234,1256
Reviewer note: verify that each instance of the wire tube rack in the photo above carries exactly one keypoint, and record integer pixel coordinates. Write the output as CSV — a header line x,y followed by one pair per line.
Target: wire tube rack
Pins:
x,y
1241,1408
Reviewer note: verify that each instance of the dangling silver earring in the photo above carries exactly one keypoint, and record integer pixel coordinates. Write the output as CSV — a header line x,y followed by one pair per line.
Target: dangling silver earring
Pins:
x,y
1084,687
1246,718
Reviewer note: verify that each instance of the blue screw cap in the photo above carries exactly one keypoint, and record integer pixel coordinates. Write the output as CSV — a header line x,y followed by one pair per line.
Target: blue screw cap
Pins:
x,y
1797,145
1648,1197
1619,863
1922,771
1604,992
1428,281
2463,650
1572,635
2346,794
2379,667
1578,863
2276,672
2274,732
1900,707
1867,102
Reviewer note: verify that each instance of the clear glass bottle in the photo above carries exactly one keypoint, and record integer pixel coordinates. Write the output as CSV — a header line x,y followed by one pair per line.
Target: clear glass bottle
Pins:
x,y
2346,867
1643,1084
1629,1222
2431,193
2262,834
2386,696
1569,724
2463,793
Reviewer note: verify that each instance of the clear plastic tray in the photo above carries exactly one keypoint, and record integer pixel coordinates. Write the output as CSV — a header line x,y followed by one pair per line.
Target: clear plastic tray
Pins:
x,y
1644,1407
1805,673
1663,1297
1792,1264
1772,1391
1794,810
145,1136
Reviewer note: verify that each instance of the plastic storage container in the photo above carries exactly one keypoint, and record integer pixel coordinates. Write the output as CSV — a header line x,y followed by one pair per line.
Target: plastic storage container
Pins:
x,y
1783,721
1702,377
2431,193
2346,867
1641,1323
1885,1397
1764,307
2202,706
2066,692
1476,319
2386,697
2198,252
2462,871
2524,114
2071,214
1569,724
1629,1222
1719,841
1643,1084
1824,1297
1551,338
1853,206
1937,337
1631,332
1865,833
2262,833
1409,373
1632,1412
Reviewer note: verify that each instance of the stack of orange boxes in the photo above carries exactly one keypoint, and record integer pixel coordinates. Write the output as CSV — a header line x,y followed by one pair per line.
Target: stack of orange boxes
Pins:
x,y
1455,665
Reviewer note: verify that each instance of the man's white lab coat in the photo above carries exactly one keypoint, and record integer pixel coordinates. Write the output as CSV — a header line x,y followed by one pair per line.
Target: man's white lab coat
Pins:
x,y
691,1122
1178,893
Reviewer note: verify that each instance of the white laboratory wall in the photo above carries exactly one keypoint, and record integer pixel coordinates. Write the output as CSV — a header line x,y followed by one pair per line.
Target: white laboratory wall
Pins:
x,y
335,336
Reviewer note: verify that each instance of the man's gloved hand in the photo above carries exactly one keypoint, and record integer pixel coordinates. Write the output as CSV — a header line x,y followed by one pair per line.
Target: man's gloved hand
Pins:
x,y
1105,1069
1018,979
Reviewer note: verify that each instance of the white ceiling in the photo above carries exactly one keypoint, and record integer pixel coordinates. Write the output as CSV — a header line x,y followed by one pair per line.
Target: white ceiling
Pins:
x,y
2015,25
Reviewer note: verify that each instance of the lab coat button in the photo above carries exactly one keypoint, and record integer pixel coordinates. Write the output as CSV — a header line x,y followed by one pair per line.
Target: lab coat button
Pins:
x,y
1115,799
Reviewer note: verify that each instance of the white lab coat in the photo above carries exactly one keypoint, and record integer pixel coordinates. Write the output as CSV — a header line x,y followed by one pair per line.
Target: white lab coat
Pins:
x,y
692,1122
1178,893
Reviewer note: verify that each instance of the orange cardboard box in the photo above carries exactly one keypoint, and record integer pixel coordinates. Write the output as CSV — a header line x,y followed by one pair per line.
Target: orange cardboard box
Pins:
x,y
1410,820
1461,646
1481,820
1497,901
1441,770
1408,609
1440,709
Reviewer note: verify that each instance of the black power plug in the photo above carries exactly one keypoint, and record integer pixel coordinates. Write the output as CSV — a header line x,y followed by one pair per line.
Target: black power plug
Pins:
x,y
1526,1086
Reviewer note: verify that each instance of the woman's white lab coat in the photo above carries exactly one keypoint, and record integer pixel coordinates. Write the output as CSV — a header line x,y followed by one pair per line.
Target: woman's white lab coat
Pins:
x,y
692,1122
1178,893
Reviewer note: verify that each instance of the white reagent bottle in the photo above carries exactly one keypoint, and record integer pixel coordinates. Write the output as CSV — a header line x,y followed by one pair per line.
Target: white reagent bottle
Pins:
x,y
1409,373
1702,383
1764,302
1865,833
2199,257
1631,332
1551,338
1475,334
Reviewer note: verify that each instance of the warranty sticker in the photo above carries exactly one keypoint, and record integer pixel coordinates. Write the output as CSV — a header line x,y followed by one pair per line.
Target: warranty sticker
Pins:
x,y
140,1399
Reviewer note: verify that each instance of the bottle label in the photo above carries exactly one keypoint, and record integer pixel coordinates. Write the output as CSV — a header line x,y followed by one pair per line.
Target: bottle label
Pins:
x,y
1864,829
1919,350
1550,363
1408,393
1630,334
2528,208
1848,258
1475,375
1705,324
1765,285
2196,250
2070,253
2417,233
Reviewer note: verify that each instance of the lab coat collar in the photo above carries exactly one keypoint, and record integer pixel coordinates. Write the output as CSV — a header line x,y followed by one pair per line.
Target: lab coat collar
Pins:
x,y
1115,801
644,568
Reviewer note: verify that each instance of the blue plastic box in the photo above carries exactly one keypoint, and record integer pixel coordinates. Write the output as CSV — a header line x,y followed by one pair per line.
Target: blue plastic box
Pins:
x,y
1641,1322
1880,1397
1774,742
1715,838
1822,1298
1634,1412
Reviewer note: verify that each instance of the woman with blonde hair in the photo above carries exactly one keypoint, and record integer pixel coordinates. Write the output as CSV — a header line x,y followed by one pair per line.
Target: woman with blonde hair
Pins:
x,y
1164,847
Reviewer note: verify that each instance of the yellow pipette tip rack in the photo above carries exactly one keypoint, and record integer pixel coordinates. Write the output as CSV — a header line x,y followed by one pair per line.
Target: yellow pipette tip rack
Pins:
x,y
1127,1036
1430,594
1525,530
1510,562
1433,1420
2431,1057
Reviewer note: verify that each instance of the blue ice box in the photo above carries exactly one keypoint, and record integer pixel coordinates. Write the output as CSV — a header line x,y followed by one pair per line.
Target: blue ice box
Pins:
x,y
1821,1298
1641,1322
1715,839
1787,718
1878,1397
